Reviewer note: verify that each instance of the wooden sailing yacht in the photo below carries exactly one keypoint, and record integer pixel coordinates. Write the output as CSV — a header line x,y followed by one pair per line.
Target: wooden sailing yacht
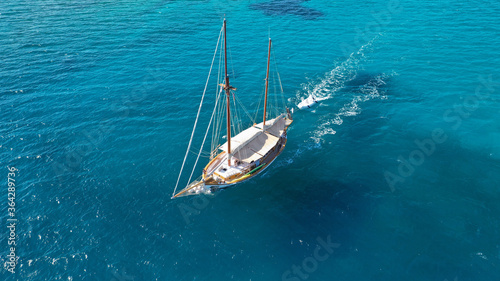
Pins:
x,y
244,155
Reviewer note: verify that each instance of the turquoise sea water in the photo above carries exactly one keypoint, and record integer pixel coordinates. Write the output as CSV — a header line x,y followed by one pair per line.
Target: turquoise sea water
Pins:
x,y
395,175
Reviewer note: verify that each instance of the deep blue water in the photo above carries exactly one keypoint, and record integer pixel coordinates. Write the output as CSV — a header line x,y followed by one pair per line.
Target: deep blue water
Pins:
x,y
397,169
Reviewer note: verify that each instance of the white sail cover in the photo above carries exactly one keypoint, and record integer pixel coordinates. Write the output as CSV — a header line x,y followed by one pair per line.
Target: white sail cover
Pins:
x,y
274,126
252,143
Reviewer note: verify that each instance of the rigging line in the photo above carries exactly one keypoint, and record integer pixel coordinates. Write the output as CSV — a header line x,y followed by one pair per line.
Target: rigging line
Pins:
x,y
217,124
276,67
203,154
214,132
198,114
234,117
221,113
220,120
204,138
236,124
244,109
238,116
195,151
260,101
276,105
219,117
279,80
231,59
222,108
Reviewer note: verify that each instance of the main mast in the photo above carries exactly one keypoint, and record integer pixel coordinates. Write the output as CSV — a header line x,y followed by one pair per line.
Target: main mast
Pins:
x,y
267,84
228,94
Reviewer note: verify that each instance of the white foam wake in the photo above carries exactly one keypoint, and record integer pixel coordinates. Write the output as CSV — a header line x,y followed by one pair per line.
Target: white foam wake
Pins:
x,y
373,89
332,82
335,79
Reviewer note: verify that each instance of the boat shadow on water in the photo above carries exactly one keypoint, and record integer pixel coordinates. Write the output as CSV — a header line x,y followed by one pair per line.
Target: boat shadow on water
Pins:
x,y
306,211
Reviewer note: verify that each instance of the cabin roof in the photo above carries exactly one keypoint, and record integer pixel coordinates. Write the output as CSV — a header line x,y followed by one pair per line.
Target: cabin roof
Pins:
x,y
252,143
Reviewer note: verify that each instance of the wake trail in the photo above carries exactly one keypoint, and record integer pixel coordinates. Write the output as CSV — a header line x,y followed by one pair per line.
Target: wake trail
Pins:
x,y
372,89
335,79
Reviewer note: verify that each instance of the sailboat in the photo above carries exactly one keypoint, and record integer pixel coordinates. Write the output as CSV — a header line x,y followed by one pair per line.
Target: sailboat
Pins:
x,y
244,155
